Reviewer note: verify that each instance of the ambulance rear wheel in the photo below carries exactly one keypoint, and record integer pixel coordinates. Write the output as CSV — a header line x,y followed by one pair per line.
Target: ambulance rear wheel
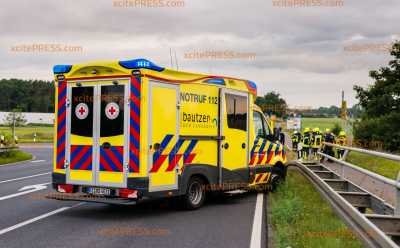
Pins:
x,y
195,194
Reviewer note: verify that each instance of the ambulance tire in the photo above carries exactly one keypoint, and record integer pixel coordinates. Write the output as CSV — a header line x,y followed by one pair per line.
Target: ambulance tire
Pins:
x,y
195,194
276,179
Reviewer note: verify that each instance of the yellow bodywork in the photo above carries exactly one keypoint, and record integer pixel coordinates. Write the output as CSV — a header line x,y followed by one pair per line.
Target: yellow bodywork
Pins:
x,y
193,96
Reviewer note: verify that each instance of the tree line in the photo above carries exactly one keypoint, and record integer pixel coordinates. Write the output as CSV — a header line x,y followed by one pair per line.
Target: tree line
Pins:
x,y
26,95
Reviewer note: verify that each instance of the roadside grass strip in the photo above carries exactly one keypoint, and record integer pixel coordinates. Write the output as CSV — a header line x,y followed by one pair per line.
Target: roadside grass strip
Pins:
x,y
301,218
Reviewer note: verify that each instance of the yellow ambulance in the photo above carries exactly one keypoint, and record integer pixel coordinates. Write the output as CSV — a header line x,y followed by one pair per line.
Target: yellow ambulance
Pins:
x,y
131,130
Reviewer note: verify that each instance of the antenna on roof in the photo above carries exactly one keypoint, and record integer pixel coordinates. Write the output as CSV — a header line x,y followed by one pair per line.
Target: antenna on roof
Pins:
x,y
176,61
170,56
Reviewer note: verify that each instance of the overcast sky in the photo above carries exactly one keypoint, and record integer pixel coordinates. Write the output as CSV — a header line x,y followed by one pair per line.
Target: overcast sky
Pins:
x,y
298,52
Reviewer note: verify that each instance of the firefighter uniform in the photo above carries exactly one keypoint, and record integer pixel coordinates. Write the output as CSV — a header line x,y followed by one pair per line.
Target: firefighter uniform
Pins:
x,y
329,137
316,142
2,140
306,143
342,141
296,140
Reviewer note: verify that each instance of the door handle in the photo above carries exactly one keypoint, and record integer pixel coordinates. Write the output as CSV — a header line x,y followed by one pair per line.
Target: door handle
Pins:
x,y
156,146
226,146
106,145
243,145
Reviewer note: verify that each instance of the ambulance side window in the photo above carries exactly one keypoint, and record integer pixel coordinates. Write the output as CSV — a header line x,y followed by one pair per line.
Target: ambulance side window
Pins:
x,y
236,109
266,127
258,125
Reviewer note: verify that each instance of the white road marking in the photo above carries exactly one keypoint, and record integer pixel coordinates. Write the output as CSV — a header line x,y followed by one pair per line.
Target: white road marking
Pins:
x,y
21,178
28,189
38,161
256,231
27,222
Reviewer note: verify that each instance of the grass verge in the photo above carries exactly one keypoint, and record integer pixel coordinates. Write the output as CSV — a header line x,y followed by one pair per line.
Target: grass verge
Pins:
x,y
322,123
381,166
301,218
14,156
25,134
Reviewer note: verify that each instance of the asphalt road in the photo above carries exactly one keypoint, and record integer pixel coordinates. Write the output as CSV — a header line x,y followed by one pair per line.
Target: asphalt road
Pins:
x,y
27,219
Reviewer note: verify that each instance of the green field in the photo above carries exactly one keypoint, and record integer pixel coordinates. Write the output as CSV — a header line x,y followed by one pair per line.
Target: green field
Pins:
x,y
321,123
301,218
14,156
380,166
25,134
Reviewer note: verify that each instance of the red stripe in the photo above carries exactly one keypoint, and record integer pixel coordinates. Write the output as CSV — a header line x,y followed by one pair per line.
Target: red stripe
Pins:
x,y
134,150
134,166
158,163
79,156
270,156
261,158
135,100
115,160
134,133
60,148
190,158
86,163
61,132
174,161
258,177
97,77
105,164
60,164
253,159
73,149
135,83
62,102
134,116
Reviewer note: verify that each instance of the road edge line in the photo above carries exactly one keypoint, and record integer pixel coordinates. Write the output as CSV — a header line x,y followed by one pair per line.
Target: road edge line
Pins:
x,y
19,162
26,177
256,231
40,217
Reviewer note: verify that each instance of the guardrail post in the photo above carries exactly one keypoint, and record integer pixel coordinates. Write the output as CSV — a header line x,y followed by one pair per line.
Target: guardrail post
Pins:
x,y
346,152
397,208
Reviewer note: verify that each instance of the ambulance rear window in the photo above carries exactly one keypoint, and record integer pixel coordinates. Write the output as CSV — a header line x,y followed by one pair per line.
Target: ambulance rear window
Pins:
x,y
82,111
236,108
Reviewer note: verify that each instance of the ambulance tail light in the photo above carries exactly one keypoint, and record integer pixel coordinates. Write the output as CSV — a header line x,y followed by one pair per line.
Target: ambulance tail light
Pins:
x,y
65,188
128,193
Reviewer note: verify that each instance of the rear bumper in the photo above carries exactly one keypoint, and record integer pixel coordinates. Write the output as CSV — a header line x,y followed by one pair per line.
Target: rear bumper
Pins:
x,y
138,183
90,198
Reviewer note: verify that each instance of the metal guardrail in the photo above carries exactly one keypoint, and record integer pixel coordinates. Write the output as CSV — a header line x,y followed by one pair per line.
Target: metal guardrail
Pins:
x,y
387,181
351,200
334,190
369,152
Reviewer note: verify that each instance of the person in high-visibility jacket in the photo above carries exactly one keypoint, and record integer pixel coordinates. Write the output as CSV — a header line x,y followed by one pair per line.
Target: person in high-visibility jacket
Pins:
x,y
296,139
316,142
342,141
329,137
306,142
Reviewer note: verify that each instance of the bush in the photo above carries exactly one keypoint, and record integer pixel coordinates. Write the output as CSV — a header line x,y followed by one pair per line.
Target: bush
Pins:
x,y
383,129
336,129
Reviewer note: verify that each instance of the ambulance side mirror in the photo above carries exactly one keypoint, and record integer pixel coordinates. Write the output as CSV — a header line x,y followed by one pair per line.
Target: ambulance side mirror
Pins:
x,y
272,137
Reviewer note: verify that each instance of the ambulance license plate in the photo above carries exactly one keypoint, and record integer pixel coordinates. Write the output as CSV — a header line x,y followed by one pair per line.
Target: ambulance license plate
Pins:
x,y
99,191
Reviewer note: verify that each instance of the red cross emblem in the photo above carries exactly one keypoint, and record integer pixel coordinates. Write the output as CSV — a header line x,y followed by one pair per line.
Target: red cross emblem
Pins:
x,y
82,111
112,110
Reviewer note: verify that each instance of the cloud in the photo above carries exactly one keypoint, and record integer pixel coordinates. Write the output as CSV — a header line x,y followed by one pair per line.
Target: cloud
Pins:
x,y
299,52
